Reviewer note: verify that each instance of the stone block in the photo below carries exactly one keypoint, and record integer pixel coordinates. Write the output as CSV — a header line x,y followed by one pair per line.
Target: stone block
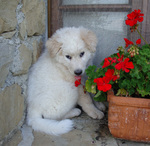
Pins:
x,y
4,70
37,49
6,57
22,60
8,20
8,35
22,30
34,16
11,109
1,25
15,140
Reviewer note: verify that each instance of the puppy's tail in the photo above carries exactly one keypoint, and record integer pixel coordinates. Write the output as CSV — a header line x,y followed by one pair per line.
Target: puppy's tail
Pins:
x,y
51,127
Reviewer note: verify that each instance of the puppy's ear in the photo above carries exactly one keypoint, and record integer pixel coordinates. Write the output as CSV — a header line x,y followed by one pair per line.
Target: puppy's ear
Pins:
x,y
53,46
89,38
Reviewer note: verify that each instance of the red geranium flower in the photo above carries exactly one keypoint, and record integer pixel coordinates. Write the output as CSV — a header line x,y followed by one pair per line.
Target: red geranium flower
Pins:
x,y
124,65
108,61
102,84
138,42
113,60
110,75
77,82
128,42
133,17
120,57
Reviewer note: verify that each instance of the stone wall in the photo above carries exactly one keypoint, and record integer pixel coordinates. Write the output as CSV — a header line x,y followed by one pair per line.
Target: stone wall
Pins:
x,y
22,31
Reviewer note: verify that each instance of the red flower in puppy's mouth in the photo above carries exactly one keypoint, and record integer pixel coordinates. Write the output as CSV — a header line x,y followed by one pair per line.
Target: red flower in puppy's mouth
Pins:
x,y
77,81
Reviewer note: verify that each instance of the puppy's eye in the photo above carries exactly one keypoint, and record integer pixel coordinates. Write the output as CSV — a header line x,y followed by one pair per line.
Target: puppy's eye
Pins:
x,y
81,54
69,57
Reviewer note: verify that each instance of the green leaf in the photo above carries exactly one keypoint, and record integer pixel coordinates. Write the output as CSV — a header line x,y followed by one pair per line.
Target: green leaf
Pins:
x,y
90,86
122,92
148,86
146,46
100,96
100,72
134,82
148,75
131,91
128,86
142,60
143,92
141,85
93,89
90,71
125,83
135,73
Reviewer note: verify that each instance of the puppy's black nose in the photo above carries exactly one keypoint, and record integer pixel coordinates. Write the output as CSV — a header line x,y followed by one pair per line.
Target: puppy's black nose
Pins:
x,y
78,72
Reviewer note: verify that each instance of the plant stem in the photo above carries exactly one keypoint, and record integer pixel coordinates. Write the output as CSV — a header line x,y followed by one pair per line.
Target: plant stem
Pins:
x,y
142,37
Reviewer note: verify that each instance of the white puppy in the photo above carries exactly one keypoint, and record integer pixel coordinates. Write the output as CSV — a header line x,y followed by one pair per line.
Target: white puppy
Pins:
x,y
52,95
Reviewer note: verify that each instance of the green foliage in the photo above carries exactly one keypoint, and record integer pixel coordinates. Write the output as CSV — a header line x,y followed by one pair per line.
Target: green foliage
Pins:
x,y
135,83
100,96
93,73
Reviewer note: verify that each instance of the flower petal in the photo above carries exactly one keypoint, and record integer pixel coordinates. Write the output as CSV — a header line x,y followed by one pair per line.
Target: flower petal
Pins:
x,y
77,82
105,87
106,63
128,42
118,66
138,41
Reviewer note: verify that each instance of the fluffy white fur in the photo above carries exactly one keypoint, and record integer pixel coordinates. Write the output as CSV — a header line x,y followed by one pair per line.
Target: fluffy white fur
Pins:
x,y
52,95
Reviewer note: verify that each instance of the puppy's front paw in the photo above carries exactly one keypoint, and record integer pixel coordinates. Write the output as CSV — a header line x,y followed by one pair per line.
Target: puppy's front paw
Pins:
x,y
96,114
100,106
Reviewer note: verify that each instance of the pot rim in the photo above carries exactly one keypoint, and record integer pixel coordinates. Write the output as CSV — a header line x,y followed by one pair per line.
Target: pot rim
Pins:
x,y
127,101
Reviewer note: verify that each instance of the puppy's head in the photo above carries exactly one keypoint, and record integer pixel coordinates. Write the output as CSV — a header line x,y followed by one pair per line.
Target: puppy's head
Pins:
x,y
73,48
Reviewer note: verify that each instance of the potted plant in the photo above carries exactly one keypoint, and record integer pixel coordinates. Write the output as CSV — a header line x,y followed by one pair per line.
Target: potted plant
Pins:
x,y
128,74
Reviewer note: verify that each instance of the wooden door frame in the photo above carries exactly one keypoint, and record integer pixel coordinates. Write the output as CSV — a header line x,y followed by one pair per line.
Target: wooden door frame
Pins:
x,y
55,9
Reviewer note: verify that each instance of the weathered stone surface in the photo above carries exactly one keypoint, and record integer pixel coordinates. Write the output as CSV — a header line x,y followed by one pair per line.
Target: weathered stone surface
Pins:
x,y
6,53
8,19
23,30
11,109
6,57
37,48
27,135
1,25
4,70
22,60
8,35
17,137
34,16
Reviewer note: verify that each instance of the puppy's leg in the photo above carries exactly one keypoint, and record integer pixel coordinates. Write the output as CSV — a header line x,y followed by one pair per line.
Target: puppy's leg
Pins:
x,y
87,105
73,113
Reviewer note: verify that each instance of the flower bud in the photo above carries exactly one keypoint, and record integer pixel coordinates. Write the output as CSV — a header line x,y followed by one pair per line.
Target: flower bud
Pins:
x,y
118,76
132,54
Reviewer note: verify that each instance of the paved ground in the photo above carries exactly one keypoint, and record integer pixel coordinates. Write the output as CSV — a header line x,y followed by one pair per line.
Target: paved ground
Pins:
x,y
87,132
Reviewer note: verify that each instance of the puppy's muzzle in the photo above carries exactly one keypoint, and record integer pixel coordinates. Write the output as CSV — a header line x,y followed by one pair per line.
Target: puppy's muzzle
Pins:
x,y
78,72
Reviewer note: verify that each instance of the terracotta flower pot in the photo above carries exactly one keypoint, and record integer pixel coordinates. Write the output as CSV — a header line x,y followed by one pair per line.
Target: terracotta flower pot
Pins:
x,y
129,118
